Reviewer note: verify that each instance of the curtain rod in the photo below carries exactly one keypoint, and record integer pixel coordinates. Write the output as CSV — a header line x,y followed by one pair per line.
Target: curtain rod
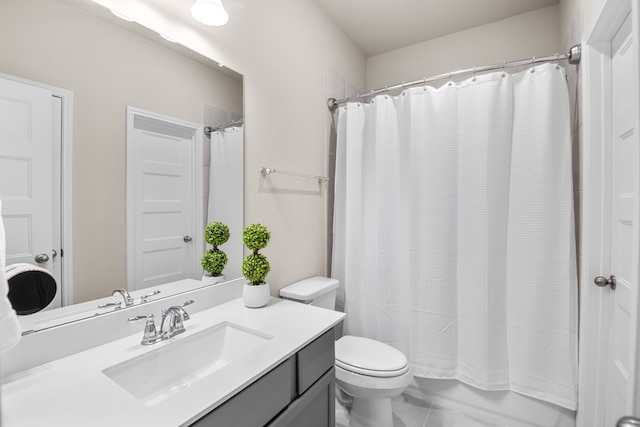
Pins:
x,y
208,130
573,57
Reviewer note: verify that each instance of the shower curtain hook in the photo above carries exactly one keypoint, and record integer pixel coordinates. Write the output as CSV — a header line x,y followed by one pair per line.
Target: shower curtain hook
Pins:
x,y
533,65
504,73
424,78
474,74
386,91
557,61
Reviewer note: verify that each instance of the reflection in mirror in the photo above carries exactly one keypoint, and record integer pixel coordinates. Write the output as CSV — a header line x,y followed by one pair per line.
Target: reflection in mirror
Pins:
x,y
85,67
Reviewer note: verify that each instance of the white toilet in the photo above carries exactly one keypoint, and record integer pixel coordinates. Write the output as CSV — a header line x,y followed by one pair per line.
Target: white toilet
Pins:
x,y
369,371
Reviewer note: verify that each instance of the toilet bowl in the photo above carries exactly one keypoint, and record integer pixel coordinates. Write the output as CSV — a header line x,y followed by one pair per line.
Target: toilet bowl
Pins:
x,y
369,371
31,288
372,373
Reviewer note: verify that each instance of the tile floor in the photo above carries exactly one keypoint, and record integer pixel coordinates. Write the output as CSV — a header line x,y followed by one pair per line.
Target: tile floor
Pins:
x,y
411,412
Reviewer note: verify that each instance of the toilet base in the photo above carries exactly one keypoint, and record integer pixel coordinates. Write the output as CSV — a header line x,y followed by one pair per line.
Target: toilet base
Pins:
x,y
371,412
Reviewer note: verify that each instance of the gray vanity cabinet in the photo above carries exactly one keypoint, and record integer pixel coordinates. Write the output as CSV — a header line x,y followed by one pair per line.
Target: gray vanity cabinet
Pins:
x,y
300,392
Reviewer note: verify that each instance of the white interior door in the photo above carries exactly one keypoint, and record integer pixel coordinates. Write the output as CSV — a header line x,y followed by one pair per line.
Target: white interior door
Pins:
x,y
609,378
623,257
161,213
28,187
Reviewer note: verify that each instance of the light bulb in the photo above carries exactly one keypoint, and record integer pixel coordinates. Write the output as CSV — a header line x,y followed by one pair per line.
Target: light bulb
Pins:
x,y
210,12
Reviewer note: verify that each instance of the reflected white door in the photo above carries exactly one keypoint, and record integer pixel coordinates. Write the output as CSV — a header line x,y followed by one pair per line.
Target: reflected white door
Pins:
x,y
160,202
624,198
30,174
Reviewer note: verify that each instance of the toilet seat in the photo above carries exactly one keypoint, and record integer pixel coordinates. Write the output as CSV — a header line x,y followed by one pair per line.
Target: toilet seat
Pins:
x,y
369,357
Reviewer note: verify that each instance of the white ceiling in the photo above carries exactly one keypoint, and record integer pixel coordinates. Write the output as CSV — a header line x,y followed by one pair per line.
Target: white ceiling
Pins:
x,y
378,26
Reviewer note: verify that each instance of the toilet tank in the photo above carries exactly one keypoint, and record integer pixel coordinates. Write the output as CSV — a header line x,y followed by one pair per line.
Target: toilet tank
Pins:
x,y
318,291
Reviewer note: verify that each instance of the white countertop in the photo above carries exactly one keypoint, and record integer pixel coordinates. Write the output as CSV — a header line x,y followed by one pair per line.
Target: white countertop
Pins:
x,y
73,391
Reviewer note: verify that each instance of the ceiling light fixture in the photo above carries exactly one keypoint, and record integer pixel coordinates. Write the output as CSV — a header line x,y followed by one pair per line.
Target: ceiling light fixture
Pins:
x,y
121,16
167,38
210,12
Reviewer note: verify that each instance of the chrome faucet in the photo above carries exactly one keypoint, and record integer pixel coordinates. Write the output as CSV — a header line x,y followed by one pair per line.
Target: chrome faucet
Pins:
x,y
128,301
173,318
170,325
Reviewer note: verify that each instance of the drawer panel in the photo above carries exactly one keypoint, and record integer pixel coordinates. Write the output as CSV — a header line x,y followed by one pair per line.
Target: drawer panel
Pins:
x,y
315,408
257,404
314,360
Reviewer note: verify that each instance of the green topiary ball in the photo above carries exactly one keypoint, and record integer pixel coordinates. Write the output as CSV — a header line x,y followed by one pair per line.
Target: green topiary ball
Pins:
x,y
256,236
255,268
216,233
214,261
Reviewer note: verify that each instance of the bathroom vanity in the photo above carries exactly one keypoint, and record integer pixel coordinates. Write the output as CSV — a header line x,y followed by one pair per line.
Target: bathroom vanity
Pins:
x,y
298,392
234,366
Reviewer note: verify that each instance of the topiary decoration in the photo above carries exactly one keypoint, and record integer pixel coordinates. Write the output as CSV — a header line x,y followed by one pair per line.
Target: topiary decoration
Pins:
x,y
256,237
255,267
216,234
214,260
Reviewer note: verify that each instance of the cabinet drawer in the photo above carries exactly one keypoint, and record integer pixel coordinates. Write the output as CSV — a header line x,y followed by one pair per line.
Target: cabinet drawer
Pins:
x,y
315,408
257,404
314,360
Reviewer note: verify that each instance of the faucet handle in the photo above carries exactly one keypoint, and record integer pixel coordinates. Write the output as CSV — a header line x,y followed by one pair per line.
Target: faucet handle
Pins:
x,y
146,316
143,298
185,315
150,334
117,305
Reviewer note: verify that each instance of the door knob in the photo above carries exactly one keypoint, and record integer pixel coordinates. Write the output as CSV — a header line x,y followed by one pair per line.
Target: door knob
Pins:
x,y
603,281
187,239
628,422
42,258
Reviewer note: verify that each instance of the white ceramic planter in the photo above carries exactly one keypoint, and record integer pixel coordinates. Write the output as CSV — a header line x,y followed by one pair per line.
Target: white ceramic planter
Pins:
x,y
255,296
208,279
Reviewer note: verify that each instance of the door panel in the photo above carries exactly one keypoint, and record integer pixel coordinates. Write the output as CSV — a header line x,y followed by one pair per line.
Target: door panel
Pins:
x,y
26,167
624,188
161,184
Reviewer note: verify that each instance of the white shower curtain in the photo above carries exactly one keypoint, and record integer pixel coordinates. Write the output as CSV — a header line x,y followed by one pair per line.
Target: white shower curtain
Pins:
x,y
226,191
454,230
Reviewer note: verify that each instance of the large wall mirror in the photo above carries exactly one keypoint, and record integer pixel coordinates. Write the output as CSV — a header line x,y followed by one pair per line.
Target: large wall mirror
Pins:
x,y
115,78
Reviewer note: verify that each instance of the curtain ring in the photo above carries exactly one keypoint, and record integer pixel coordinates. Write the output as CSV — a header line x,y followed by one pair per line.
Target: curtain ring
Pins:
x,y
450,78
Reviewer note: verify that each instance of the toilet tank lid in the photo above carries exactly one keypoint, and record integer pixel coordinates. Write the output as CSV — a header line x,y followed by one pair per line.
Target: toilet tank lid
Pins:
x,y
310,288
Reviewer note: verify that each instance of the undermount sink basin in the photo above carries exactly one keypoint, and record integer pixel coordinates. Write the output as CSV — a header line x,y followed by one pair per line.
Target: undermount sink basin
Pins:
x,y
173,366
